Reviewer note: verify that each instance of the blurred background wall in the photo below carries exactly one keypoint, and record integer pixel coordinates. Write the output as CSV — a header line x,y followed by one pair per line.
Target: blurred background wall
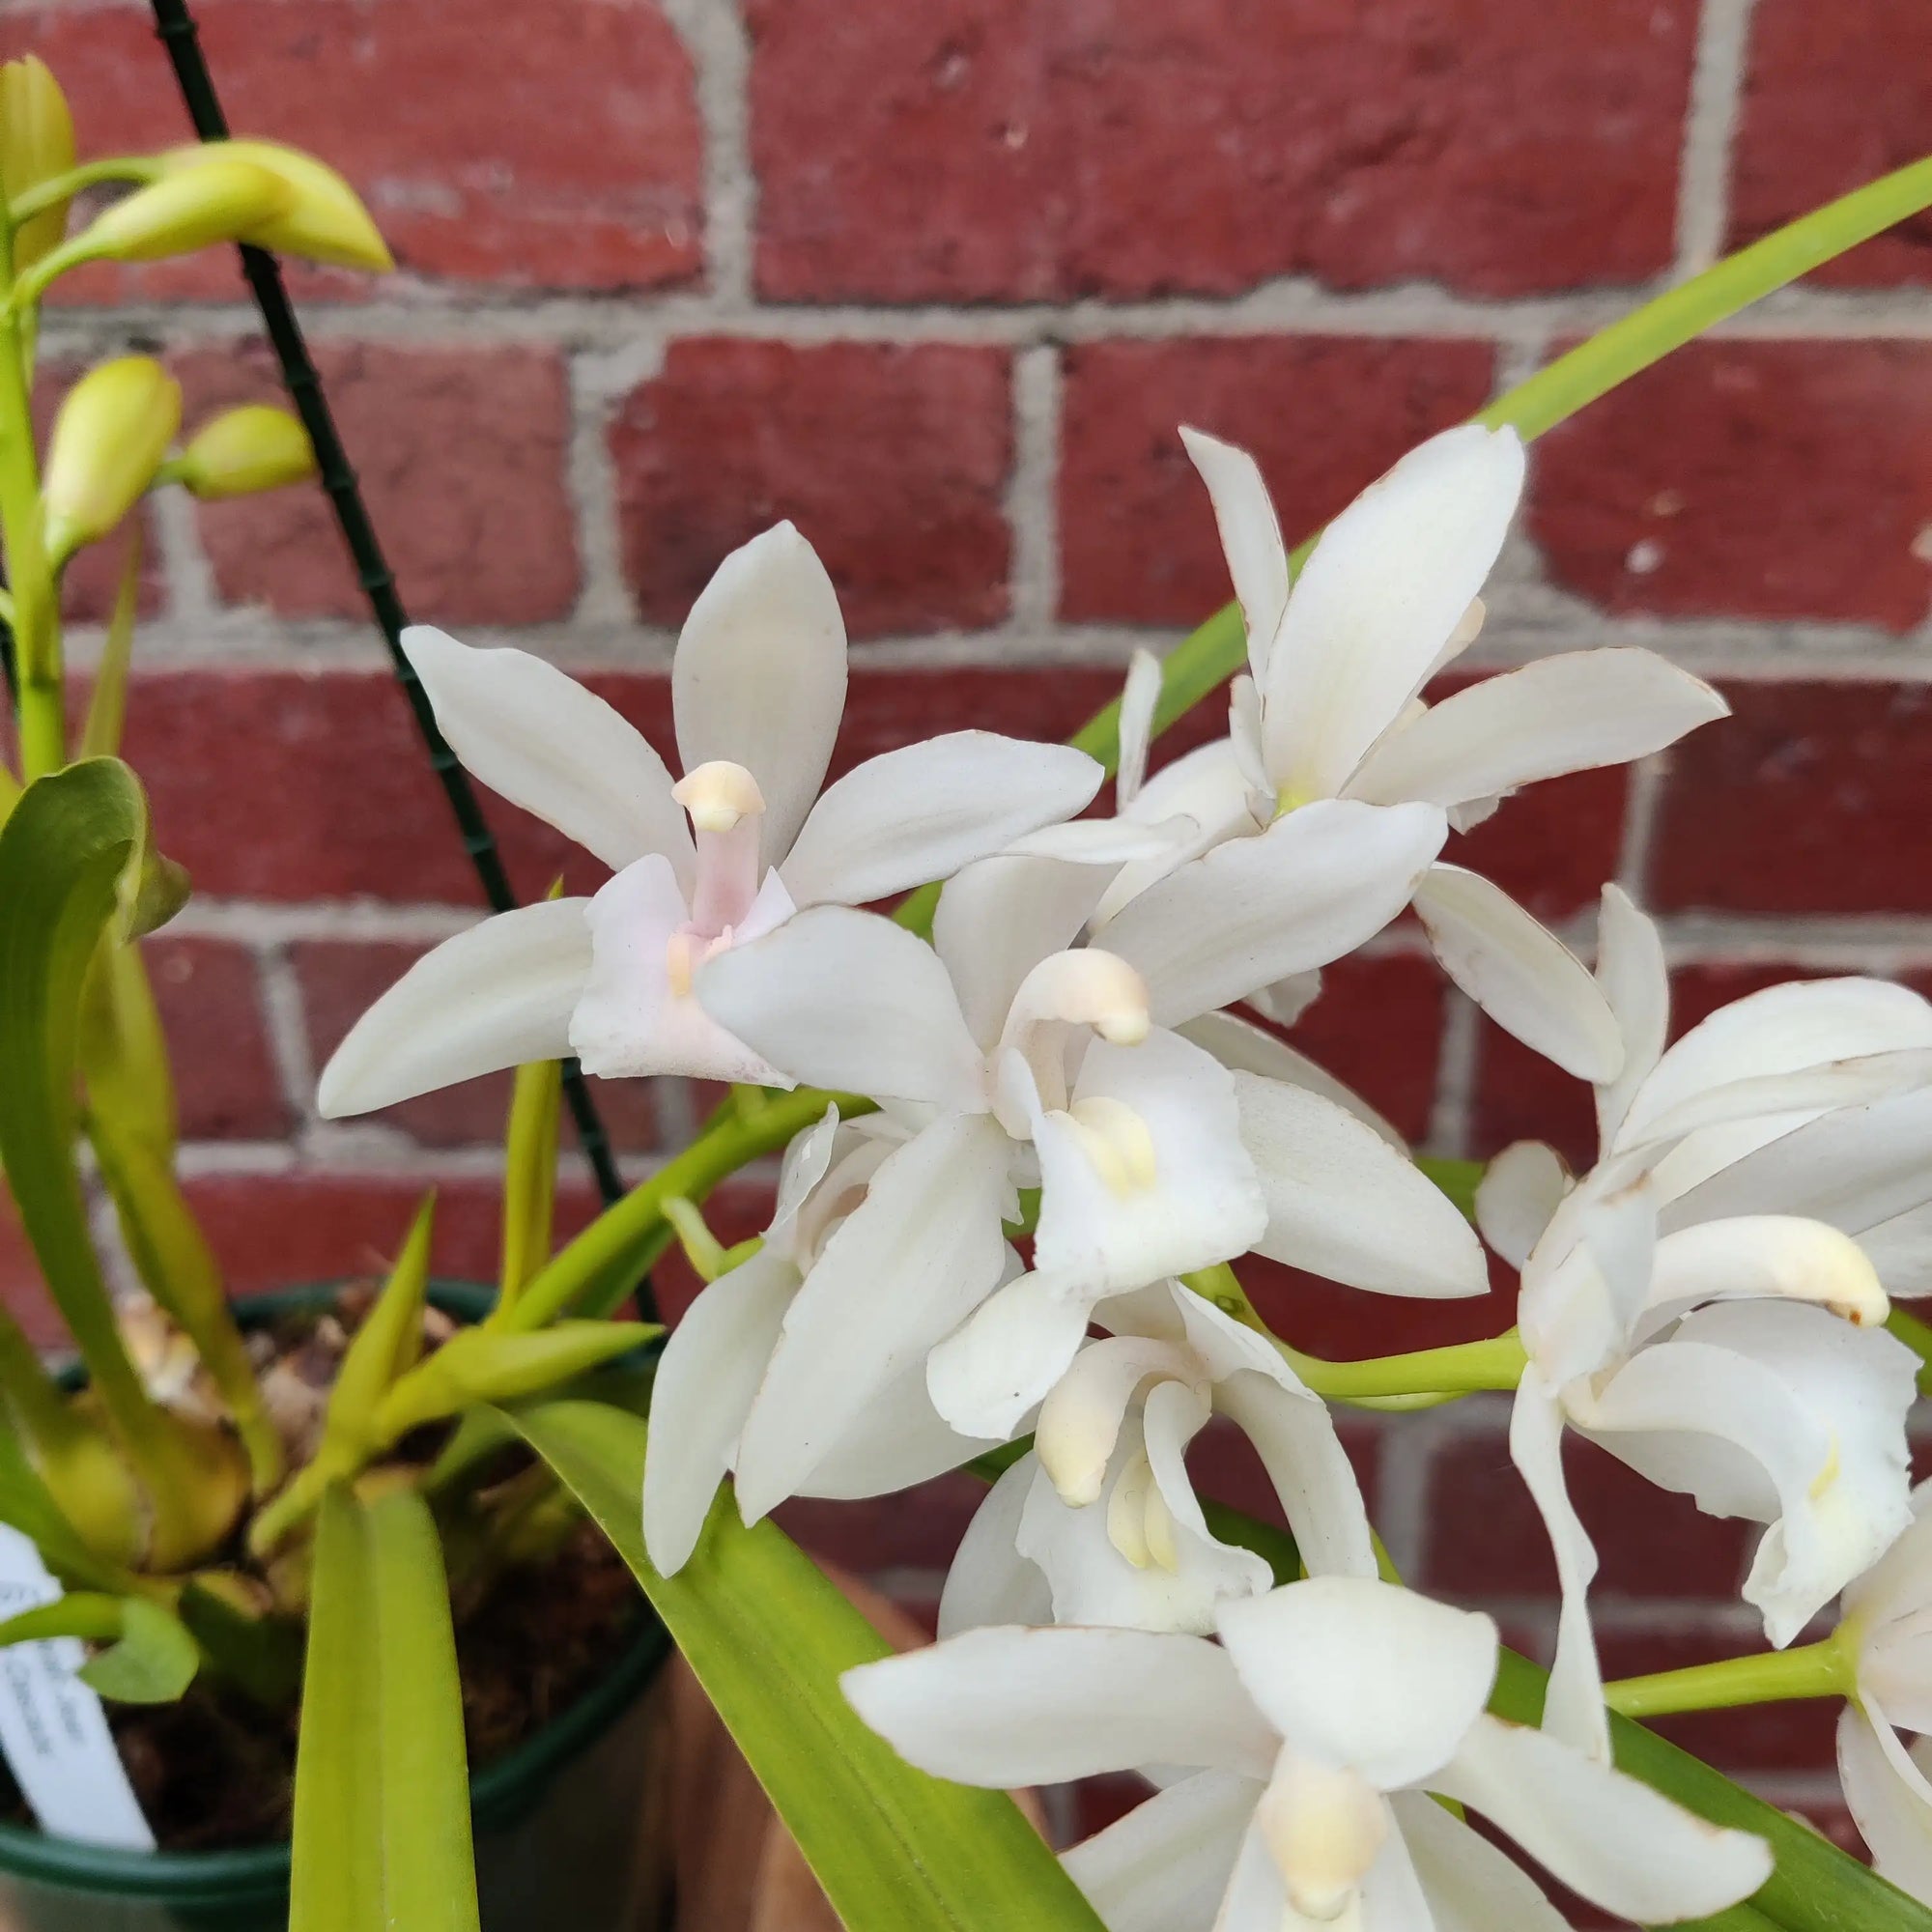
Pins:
x,y
938,280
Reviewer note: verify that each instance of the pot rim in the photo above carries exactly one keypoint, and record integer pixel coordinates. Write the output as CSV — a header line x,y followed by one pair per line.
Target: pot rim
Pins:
x,y
497,1793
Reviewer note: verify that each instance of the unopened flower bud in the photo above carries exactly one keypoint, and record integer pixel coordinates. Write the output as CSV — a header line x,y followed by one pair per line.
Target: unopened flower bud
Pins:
x,y
243,450
110,436
36,144
221,200
322,219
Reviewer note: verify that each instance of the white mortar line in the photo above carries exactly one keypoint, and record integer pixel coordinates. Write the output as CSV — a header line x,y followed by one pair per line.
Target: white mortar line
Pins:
x,y
1454,1068
1640,833
284,1019
590,480
1032,505
1717,87
714,36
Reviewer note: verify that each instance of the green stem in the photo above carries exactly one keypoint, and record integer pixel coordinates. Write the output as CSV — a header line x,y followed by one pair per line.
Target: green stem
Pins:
x,y
1824,1669
90,174
1918,1337
40,702
622,1234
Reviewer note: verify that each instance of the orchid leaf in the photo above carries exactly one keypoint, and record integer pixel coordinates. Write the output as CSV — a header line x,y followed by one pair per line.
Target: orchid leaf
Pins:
x,y
493,1365
150,1658
382,1814
123,1055
529,1174
107,707
768,1635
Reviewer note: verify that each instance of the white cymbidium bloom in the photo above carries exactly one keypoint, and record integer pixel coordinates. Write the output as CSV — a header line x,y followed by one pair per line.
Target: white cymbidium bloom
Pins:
x,y
717,1356
1331,711
757,690
1025,1065
1698,1304
1098,1523
1887,1625
1312,1731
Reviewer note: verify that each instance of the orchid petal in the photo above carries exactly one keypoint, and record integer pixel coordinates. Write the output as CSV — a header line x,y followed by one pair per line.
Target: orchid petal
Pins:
x,y
1519,972
848,1000
759,676
710,1369
1568,713
1783,1413
1902,1251
1779,1030
1250,537
808,1159
1893,1820
1163,1866
996,922
1520,1189
1080,1420
1199,1202
903,1268
1471,1887
1362,1674
1606,1836
1853,1168
1344,1204
990,1582
1635,981
1005,1707
1206,796
1381,593
1133,727
922,811
633,1018
1312,887
1573,1708
1295,1436
498,995
1007,1355
896,1443
538,738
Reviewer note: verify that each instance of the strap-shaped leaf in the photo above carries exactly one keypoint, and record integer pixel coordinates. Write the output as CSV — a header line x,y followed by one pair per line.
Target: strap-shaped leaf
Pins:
x,y
382,1822
767,1636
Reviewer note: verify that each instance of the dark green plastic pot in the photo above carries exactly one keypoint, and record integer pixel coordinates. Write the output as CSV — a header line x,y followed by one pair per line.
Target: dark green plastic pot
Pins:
x,y
558,1821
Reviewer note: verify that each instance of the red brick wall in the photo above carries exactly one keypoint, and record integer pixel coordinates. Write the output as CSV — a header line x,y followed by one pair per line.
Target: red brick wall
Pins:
x,y
938,282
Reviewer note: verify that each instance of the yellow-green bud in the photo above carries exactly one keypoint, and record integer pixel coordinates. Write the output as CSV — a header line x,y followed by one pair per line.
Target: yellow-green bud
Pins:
x,y
255,447
110,436
36,144
221,200
323,220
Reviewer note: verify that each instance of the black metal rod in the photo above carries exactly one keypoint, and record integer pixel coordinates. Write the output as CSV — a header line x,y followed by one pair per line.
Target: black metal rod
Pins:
x,y
176,27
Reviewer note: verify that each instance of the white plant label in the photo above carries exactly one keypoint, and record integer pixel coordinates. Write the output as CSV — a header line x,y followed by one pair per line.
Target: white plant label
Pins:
x,y
52,1727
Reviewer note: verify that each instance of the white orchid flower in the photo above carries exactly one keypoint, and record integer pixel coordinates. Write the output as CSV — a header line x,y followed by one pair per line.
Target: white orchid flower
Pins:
x,y
725,854
1313,1731
1699,1304
1024,1065
1332,710
1098,1523
717,1356
1887,1624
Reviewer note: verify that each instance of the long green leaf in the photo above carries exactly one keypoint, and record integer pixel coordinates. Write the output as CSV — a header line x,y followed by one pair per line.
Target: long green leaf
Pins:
x,y
767,1636
63,856
382,1816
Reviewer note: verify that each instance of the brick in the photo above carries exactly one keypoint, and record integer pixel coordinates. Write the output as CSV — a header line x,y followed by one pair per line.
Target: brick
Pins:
x,y
461,454
993,150
893,461
1831,98
1756,480
1753,1739
1553,846
1345,1323
1520,1096
558,149
341,978
1324,416
1811,798
1223,1465
210,997
1486,1540
1378,1027
281,1229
